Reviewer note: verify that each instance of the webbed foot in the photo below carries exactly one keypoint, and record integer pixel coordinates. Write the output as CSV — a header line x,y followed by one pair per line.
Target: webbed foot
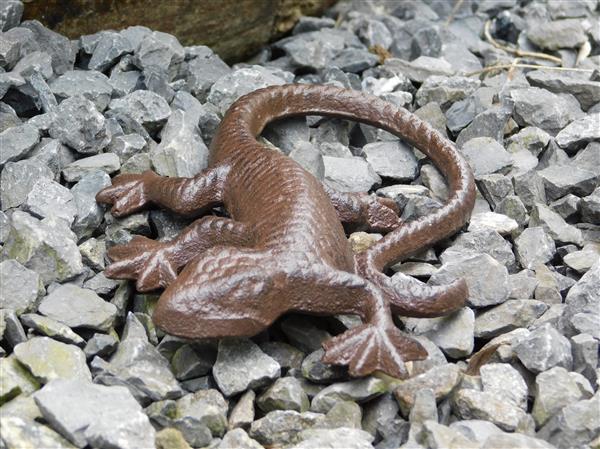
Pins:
x,y
128,193
371,347
149,262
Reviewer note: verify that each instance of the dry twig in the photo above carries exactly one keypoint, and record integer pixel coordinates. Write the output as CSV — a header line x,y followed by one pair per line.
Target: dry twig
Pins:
x,y
525,66
584,52
381,52
457,6
512,71
516,51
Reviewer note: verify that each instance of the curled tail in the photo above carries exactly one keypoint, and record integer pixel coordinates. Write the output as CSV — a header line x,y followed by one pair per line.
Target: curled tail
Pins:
x,y
372,346
251,113
409,297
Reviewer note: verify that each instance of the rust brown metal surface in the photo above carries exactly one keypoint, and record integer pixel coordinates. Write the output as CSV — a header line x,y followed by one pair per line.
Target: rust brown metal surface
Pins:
x,y
283,247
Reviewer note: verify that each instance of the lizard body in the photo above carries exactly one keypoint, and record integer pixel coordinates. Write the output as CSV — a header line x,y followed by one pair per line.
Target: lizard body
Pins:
x,y
283,247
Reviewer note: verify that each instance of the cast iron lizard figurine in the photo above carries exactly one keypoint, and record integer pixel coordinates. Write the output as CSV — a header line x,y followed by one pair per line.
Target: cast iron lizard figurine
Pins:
x,y
284,248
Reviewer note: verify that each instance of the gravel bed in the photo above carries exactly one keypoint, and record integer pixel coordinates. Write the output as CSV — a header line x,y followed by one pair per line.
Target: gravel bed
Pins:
x,y
82,364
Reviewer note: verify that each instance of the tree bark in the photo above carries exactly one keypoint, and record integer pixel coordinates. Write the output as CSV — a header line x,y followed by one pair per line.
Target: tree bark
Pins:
x,y
234,29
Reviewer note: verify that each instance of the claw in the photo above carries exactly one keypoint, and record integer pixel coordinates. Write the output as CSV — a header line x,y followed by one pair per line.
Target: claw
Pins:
x,y
118,253
119,185
368,348
137,243
127,194
143,259
158,273
120,270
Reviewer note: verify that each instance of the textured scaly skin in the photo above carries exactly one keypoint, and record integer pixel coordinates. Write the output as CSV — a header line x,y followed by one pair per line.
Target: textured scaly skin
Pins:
x,y
284,247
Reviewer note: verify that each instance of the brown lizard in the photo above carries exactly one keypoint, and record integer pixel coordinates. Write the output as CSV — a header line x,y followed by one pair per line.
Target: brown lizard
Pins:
x,y
283,247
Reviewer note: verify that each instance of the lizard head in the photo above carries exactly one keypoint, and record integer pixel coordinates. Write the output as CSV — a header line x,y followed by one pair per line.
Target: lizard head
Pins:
x,y
229,295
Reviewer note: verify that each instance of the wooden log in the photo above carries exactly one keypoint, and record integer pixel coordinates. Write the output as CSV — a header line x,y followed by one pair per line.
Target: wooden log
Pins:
x,y
234,29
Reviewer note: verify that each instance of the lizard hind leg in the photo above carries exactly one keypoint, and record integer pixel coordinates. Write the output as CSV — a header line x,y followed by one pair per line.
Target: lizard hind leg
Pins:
x,y
375,345
225,292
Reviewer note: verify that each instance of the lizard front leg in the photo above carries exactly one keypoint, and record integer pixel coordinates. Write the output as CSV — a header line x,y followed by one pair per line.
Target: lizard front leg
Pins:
x,y
155,264
365,212
130,193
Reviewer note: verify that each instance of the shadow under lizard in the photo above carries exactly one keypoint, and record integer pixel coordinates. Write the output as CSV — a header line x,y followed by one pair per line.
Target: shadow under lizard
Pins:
x,y
284,248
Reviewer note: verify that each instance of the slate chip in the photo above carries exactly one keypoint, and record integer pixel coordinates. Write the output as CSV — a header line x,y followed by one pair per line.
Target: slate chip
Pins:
x,y
90,84
579,132
556,34
104,162
392,159
159,52
581,87
486,156
349,174
109,48
79,125
22,432
138,365
181,151
19,287
241,365
48,359
49,198
541,108
231,86
534,246
45,246
77,307
144,107
89,213
487,278
51,328
17,142
72,407
18,179
543,349
203,71
10,14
